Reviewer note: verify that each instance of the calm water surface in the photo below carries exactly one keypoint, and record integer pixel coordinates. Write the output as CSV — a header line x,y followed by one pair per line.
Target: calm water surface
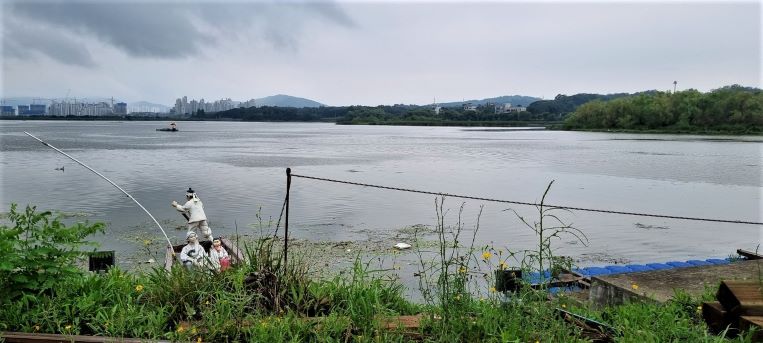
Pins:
x,y
238,168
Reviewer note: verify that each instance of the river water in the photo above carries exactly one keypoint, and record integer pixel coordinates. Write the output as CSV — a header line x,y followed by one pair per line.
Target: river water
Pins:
x,y
238,170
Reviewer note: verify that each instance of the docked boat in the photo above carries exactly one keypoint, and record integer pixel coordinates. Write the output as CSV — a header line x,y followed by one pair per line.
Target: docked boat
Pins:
x,y
172,128
173,256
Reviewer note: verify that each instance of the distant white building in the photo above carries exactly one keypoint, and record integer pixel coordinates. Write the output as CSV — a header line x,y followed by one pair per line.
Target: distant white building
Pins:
x,y
469,107
508,108
182,106
76,108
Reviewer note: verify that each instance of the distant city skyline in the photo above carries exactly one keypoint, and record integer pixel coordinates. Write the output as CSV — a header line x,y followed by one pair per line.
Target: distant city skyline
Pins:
x,y
373,53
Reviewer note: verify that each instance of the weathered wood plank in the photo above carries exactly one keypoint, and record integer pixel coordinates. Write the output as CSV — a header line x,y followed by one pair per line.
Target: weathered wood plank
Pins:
x,y
748,322
169,256
741,298
402,322
750,255
583,281
233,249
716,317
21,337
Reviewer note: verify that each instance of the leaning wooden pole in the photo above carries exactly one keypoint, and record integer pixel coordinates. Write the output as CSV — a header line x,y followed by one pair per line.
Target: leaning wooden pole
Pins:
x,y
286,221
169,243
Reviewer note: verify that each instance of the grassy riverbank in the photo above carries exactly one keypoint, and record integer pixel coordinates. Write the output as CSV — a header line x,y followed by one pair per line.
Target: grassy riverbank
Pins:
x,y
729,131
264,300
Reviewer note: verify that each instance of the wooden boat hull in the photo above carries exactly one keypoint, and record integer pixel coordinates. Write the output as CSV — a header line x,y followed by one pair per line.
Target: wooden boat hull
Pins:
x,y
172,255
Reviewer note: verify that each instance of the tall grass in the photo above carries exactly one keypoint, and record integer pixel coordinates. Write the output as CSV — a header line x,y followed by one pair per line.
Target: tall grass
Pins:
x,y
264,300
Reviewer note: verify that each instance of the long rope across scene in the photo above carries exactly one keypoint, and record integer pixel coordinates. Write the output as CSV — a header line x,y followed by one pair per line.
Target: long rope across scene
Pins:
x,y
530,203
107,179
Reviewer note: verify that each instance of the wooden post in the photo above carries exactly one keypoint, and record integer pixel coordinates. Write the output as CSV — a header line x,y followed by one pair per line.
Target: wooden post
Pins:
x,y
286,221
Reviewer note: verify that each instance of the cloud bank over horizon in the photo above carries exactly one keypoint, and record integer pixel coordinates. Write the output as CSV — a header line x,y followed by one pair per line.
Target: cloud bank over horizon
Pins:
x,y
373,53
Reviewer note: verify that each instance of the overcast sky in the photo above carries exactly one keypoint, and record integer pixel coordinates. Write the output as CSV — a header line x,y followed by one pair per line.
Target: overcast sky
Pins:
x,y
342,53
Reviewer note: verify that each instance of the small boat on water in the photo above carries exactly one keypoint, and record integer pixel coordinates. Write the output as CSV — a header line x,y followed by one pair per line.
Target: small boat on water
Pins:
x,y
173,256
172,128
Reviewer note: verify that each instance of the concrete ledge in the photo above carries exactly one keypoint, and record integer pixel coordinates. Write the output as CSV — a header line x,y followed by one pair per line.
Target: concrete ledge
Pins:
x,y
661,285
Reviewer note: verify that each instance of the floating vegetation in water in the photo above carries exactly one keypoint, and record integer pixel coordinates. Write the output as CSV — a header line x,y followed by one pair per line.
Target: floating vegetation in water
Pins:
x,y
601,257
79,214
651,227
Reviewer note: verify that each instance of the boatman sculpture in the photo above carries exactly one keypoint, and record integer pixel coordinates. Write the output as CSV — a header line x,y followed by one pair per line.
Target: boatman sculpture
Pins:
x,y
194,209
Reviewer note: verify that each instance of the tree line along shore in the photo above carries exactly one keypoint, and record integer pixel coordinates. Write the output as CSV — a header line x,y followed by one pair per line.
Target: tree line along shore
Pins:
x,y
731,109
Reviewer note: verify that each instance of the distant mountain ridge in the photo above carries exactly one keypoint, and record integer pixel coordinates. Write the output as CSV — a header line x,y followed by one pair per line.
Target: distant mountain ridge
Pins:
x,y
516,100
283,100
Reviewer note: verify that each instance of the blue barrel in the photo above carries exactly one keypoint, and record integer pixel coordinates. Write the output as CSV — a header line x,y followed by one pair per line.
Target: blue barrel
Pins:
x,y
593,271
638,267
618,269
678,264
698,263
717,261
658,266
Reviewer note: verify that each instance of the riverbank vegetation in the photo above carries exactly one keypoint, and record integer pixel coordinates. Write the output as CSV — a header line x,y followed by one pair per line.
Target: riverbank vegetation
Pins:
x,y
732,109
265,300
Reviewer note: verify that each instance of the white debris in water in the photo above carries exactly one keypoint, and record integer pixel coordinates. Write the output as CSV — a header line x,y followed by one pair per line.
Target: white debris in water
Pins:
x,y
151,260
402,246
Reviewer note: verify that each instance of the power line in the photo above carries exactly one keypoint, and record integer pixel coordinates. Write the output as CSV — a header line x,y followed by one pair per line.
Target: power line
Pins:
x,y
530,203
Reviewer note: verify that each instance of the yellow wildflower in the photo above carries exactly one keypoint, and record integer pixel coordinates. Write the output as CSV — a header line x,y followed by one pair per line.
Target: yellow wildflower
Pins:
x,y
206,302
486,255
139,288
564,306
180,329
634,286
146,242
502,265
458,296
36,328
492,289
699,309
68,327
462,270
194,331
198,339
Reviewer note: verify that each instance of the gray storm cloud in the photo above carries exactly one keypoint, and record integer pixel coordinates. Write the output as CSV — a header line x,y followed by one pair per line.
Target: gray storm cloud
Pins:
x,y
30,39
154,30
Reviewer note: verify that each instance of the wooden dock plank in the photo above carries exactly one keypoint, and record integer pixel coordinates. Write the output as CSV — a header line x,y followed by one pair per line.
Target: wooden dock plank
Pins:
x,y
750,255
402,322
748,322
716,317
22,337
234,250
582,281
169,255
741,298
